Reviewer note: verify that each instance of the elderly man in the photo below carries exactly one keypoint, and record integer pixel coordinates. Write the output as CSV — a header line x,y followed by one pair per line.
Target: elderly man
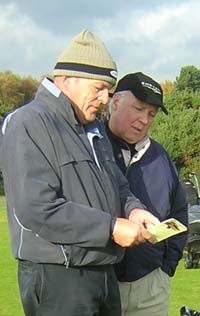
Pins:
x,y
145,270
66,197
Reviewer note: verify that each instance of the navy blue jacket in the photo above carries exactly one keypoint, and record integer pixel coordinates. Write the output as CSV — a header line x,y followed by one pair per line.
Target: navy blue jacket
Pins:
x,y
153,179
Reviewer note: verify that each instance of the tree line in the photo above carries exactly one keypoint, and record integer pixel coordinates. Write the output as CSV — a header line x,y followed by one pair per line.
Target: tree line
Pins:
x,y
15,91
178,132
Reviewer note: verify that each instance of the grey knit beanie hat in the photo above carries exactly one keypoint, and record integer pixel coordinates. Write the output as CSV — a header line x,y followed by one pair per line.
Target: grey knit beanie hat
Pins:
x,y
86,57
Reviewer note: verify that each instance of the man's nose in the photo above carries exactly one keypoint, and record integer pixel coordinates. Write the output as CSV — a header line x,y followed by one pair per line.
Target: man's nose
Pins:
x,y
144,118
104,96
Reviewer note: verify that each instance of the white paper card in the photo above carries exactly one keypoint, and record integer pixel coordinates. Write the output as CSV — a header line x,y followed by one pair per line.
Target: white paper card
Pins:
x,y
166,229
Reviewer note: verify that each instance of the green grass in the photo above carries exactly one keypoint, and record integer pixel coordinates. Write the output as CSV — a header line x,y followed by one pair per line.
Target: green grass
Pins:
x,y
185,289
185,285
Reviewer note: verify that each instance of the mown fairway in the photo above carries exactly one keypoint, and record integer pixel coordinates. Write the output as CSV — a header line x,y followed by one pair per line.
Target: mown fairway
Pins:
x,y
185,284
185,289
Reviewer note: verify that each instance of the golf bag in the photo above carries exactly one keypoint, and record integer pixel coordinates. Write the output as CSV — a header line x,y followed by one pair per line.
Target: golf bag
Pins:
x,y
193,241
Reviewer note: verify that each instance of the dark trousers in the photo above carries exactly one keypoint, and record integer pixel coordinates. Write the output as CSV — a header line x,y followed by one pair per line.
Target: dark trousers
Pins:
x,y
53,290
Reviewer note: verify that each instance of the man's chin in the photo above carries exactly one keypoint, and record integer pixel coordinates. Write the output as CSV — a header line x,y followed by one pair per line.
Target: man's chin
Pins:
x,y
92,117
89,118
133,140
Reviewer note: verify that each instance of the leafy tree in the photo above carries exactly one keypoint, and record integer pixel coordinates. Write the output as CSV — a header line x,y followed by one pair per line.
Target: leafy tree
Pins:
x,y
183,100
28,88
189,78
179,131
15,91
167,87
9,89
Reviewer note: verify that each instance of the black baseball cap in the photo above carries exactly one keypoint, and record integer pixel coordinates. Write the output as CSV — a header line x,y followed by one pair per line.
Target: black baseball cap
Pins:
x,y
143,87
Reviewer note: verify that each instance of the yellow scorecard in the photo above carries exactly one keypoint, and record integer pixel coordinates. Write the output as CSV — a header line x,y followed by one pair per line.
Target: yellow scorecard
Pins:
x,y
166,229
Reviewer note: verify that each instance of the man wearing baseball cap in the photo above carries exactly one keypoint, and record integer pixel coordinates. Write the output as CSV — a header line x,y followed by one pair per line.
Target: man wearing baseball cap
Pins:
x,y
144,273
66,196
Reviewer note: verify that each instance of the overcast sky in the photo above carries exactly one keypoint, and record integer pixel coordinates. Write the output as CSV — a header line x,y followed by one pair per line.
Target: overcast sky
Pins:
x,y
157,37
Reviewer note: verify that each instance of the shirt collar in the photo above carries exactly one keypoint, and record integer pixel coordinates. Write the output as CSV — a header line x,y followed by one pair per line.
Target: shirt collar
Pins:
x,y
92,129
51,87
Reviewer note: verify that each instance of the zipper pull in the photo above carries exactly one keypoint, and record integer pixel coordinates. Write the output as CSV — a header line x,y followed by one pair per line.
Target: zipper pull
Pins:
x,y
66,263
66,260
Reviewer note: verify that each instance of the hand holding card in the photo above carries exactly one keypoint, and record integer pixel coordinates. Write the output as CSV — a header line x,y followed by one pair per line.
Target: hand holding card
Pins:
x,y
166,229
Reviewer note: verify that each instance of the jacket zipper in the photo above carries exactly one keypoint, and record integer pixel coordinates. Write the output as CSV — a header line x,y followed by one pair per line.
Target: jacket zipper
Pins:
x,y
66,259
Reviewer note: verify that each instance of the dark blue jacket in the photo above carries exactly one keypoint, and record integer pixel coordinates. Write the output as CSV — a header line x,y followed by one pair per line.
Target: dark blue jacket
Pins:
x,y
153,179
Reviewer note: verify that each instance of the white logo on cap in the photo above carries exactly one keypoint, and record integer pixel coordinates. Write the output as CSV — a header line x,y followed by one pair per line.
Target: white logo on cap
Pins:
x,y
113,73
152,87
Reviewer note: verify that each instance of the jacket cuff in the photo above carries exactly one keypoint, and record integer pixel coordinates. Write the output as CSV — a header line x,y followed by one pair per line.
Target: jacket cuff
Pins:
x,y
112,224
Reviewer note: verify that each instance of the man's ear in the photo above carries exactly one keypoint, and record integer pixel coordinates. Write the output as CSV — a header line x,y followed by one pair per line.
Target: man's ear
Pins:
x,y
61,82
116,100
65,81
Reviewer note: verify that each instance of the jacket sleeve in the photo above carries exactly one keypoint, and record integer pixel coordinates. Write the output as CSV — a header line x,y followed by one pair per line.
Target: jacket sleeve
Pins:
x,y
34,191
176,244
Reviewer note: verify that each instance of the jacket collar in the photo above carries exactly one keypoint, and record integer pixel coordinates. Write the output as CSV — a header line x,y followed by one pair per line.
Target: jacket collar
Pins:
x,y
60,102
141,147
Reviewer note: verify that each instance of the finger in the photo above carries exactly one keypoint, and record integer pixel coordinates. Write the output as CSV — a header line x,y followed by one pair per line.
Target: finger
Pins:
x,y
148,237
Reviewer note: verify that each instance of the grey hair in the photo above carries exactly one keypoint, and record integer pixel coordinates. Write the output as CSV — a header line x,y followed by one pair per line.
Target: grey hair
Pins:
x,y
111,102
